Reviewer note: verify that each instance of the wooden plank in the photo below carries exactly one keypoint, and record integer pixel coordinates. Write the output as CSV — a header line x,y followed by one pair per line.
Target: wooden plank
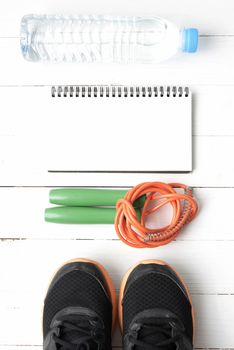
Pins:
x,y
35,155
181,12
22,216
26,265
213,109
216,54
21,347
39,258
39,347
25,165
214,314
31,264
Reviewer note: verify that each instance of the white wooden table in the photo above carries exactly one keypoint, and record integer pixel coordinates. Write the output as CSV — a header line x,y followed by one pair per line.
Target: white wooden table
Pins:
x,y
30,250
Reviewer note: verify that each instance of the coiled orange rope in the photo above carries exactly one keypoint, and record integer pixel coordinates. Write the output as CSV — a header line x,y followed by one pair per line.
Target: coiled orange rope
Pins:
x,y
135,233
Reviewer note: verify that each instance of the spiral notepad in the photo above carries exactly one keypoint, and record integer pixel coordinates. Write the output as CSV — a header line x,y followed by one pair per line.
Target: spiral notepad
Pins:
x,y
100,128
127,128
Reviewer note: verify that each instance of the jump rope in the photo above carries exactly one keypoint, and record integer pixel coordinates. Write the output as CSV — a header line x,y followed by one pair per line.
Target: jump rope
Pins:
x,y
128,210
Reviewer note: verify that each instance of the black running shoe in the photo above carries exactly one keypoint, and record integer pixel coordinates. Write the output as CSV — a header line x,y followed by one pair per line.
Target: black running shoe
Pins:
x,y
79,308
155,309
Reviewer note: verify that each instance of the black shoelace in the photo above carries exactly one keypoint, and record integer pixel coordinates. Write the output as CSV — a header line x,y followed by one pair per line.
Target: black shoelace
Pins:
x,y
80,335
150,336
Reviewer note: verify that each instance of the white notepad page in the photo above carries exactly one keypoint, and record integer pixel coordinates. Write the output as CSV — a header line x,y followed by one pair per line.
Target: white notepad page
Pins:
x,y
144,129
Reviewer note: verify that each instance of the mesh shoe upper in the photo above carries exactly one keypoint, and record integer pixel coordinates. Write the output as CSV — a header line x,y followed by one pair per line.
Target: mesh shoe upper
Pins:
x,y
153,296
78,297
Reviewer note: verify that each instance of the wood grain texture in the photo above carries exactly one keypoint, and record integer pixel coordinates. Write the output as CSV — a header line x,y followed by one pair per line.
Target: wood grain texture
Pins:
x,y
211,105
37,259
23,162
30,249
212,18
212,332
212,64
30,266
22,216
39,347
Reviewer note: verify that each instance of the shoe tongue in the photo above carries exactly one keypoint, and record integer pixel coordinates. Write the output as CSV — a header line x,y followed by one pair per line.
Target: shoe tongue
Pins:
x,y
154,338
76,337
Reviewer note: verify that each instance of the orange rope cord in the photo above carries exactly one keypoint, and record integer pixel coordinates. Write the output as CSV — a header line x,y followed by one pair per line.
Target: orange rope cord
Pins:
x,y
135,233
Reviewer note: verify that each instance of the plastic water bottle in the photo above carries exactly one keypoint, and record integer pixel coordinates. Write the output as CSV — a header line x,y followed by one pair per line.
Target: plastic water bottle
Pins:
x,y
103,39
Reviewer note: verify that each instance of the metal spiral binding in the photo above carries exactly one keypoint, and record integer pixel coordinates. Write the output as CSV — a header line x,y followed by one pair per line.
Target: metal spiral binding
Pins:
x,y
118,91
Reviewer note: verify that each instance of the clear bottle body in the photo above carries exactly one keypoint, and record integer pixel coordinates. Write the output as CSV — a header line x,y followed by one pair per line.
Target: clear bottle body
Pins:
x,y
99,39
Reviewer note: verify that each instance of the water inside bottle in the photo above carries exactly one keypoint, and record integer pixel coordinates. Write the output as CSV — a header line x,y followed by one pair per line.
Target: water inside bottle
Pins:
x,y
97,39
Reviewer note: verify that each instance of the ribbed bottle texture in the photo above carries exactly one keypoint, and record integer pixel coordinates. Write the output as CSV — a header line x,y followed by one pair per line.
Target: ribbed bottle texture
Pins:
x,y
100,39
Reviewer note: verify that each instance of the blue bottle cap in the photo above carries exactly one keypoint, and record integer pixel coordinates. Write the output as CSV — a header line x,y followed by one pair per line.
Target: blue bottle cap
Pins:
x,y
190,40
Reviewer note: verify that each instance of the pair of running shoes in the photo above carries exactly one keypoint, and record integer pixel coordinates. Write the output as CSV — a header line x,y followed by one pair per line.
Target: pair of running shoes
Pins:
x,y
155,310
